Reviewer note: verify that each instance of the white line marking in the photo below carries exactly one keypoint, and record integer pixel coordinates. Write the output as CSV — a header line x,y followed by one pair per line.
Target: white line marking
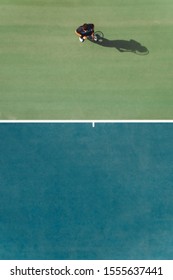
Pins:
x,y
86,121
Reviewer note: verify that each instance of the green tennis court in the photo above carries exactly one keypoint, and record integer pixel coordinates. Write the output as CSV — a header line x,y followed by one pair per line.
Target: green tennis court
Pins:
x,y
46,73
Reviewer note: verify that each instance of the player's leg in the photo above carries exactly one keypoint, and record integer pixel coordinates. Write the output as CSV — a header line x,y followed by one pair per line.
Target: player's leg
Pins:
x,y
92,36
81,39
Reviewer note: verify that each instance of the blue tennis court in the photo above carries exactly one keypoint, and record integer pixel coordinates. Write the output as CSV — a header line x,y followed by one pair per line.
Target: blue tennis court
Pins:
x,y
71,191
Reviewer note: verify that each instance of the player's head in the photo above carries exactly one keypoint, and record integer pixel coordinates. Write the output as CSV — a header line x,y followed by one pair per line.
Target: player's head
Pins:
x,y
85,26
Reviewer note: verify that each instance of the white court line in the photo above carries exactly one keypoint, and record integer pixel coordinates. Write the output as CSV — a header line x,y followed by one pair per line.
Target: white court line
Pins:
x,y
86,121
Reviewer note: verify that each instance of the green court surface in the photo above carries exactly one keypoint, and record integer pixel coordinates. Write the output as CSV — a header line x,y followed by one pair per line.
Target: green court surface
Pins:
x,y
46,73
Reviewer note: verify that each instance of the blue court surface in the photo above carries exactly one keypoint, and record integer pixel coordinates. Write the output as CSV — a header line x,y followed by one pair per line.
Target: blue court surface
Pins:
x,y
71,191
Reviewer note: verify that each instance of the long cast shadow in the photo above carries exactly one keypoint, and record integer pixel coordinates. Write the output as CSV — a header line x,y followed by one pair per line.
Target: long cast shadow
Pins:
x,y
122,45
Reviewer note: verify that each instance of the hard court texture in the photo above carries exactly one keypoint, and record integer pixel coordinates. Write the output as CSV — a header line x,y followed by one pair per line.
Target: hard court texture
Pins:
x,y
71,191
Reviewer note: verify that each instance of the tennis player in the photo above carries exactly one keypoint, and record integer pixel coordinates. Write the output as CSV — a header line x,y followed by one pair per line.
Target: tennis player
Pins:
x,y
85,31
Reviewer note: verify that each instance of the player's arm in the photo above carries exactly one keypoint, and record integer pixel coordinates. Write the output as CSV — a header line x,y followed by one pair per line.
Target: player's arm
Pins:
x,y
79,33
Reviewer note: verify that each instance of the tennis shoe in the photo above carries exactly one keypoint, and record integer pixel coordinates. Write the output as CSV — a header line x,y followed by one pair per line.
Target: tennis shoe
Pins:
x,y
95,38
81,39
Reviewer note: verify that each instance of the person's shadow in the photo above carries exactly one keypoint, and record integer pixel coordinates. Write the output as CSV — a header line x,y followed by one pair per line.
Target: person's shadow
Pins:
x,y
122,45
